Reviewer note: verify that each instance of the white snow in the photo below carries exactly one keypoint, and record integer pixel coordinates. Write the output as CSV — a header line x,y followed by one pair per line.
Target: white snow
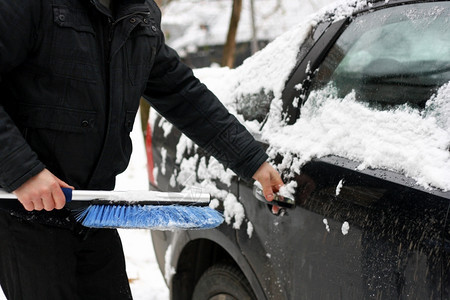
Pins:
x,y
345,228
288,189
169,270
233,210
189,24
339,187
403,140
250,229
260,72
214,203
327,227
166,126
146,280
155,174
163,160
416,143
173,182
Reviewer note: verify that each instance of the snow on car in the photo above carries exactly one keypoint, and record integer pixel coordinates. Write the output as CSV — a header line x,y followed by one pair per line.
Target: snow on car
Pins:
x,y
353,108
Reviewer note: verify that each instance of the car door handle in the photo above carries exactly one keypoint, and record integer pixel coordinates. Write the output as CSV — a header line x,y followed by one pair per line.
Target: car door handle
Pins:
x,y
279,200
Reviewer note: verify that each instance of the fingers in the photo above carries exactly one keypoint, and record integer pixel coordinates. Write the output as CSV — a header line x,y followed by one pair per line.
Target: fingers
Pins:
x,y
39,199
275,209
63,184
267,188
42,192
59,198
28,205
269,179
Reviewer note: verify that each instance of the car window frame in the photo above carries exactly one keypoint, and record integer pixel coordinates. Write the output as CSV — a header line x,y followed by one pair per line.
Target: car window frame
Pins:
x,y
303,73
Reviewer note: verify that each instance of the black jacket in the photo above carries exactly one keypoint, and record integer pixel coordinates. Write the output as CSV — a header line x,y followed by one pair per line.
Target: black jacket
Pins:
x,y
71,76
71,79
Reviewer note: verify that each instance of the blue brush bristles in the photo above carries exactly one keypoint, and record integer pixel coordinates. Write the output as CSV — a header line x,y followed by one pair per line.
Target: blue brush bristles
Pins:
x,y
170,217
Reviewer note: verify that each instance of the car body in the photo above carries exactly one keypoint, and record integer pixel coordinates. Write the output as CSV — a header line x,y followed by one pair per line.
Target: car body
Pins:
x,y
360,133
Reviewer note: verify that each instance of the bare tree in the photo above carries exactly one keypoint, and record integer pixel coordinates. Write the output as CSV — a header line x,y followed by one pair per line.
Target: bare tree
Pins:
x,y
230,45
254,42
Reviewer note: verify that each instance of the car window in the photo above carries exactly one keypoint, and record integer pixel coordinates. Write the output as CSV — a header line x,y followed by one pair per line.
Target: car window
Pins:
x,y
391,56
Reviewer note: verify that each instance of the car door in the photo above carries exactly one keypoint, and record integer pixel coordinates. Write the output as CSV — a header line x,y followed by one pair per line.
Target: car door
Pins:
x,y
446,259
355,232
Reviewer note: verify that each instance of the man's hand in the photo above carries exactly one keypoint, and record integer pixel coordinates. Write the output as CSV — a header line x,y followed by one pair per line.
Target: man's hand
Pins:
x,y
42,191
270,181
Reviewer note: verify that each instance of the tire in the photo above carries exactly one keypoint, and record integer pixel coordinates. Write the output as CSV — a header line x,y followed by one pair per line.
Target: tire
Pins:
x,y
223,282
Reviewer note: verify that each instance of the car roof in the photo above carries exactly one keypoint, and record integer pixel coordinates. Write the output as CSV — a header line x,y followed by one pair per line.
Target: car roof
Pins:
x,y
361,6
376,4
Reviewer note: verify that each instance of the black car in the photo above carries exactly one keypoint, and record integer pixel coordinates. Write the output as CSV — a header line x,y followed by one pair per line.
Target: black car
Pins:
x,y
370,176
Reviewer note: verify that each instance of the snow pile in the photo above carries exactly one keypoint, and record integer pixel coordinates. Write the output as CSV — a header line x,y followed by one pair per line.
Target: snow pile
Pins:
x,y
402,140
233,210
262,72
203,178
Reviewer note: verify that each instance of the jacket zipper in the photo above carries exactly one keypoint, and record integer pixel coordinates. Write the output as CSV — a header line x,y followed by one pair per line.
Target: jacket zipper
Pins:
x,y
108,58
108,67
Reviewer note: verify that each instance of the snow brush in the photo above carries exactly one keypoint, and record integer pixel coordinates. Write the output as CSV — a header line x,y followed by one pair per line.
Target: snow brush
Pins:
x,y
136,209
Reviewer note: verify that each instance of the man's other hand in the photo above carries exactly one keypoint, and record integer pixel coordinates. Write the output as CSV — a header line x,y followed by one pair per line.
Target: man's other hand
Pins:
x,y
42,191
270,181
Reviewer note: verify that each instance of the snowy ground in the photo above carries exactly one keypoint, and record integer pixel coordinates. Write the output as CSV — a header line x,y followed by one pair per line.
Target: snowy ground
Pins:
x,y
145,278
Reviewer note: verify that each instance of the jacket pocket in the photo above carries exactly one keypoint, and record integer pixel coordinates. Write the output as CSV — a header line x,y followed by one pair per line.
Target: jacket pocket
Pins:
x,y
73,44
141,50
56,118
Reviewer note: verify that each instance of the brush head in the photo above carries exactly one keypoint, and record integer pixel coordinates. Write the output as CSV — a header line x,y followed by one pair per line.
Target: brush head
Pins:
x,y
170,217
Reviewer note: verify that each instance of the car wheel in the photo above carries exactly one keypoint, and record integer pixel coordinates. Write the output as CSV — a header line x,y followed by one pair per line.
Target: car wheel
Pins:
x,y
223,282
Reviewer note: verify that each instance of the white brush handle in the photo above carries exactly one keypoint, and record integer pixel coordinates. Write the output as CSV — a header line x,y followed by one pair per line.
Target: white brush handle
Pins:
x,y
131,196
137,196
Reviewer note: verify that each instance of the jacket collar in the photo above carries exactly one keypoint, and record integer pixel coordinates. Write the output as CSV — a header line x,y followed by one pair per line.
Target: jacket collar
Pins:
x,y
127,7
122,7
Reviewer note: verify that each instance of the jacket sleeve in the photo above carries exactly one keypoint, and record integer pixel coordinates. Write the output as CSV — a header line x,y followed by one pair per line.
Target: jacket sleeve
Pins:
x,y
18,21
179,96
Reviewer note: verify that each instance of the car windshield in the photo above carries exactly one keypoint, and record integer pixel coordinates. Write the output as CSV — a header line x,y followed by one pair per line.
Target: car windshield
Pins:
x,y
392,56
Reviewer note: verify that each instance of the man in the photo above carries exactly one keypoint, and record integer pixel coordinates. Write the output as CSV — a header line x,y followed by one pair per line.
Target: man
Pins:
x,y
71,75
